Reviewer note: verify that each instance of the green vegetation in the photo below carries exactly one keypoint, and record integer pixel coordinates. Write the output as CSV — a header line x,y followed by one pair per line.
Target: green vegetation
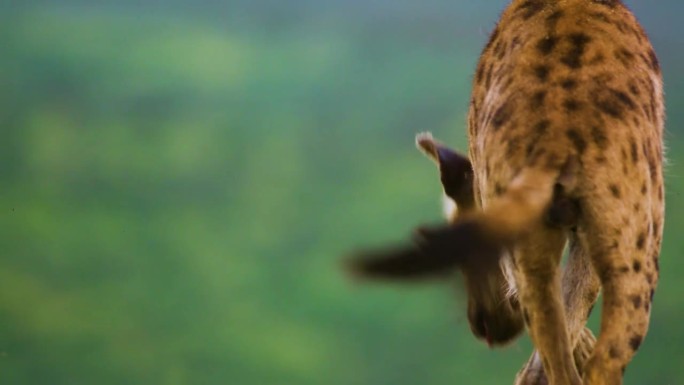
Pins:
x,y
178,185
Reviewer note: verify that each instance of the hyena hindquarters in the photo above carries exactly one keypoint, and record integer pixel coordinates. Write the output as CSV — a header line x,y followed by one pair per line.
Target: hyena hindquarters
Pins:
x,y
576,79
567,112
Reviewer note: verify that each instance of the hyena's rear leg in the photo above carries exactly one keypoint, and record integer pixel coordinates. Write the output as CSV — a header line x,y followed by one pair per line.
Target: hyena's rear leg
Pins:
x,y
580,291
580,287
537,259
621,246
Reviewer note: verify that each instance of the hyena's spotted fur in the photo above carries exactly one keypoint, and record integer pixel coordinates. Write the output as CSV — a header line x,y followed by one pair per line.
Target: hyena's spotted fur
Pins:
x,y
565,127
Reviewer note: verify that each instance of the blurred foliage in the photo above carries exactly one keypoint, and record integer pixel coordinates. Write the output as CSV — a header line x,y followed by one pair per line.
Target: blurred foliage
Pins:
x,y
179,180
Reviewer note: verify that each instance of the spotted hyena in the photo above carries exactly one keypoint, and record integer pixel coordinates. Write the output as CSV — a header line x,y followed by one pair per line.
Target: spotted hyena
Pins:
x,y
565,128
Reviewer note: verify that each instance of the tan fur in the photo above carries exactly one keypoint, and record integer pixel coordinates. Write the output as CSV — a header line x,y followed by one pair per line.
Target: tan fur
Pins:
x,y
565,128
576,78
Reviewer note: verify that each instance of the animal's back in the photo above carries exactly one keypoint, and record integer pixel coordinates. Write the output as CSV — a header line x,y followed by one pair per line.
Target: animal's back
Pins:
x,y
567,78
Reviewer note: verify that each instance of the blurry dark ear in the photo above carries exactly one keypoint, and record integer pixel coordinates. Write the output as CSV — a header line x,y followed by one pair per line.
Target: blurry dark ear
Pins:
x,y
456,171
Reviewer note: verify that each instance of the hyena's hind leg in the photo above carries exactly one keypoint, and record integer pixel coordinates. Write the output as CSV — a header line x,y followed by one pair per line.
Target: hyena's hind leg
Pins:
x,y
580,287
580,290
623,246
537,258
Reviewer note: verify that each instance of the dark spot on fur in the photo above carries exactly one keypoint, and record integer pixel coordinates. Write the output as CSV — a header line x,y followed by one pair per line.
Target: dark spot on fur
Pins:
x,y
479,74
647,111
600,16
569,84
661,193
500,49
553,18
609,3
641,239
488,75
538,130
494,35
571,105
502,115
536,156
653,168
541,127
634,89
636,266
515,42
653,60
608,103
538,99
624,56
599,136
636,301
614,352
652,294
542,72
577,140
622,26
643,188
623,270
573,58
546,45
623,152
615,190
624,98
635,342
513,146
603,78
635,152
530,8
499,189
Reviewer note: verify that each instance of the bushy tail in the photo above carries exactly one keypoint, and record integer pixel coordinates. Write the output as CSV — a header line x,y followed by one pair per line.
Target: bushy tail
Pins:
x,y
474,242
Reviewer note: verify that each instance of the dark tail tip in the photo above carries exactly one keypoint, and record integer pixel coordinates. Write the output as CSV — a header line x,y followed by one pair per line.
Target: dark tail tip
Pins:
x,y
435,253
400,263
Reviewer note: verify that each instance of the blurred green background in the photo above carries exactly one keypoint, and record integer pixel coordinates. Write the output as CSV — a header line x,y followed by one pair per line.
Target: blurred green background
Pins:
x,y
179,178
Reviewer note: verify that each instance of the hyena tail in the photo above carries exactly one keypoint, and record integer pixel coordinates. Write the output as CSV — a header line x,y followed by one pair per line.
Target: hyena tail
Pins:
x,y
475,242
